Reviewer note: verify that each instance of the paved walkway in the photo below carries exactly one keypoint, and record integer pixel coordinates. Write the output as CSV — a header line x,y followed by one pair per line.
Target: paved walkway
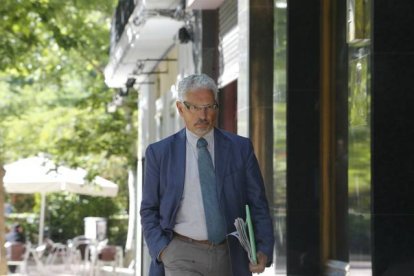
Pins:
x,y
357,269
73,270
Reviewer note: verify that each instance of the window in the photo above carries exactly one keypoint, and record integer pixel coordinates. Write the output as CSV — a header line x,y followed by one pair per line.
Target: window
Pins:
x,y
359,143
279,126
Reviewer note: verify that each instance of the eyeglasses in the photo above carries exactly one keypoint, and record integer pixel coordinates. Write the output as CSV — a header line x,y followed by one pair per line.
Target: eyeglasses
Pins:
x,y
196,108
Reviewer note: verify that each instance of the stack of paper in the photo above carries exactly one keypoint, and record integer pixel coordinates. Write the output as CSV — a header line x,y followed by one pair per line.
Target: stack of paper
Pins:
x,y
244,233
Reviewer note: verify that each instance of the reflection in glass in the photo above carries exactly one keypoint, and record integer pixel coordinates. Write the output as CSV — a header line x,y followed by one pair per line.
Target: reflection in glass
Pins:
x,y
359,152
359,172
279,125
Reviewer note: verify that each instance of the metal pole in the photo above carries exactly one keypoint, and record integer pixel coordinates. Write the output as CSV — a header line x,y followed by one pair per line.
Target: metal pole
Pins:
x,y
42,217
3,261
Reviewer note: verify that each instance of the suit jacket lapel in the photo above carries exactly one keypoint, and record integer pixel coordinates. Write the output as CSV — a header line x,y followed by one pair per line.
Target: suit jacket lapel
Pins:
x,y
221,156
179,159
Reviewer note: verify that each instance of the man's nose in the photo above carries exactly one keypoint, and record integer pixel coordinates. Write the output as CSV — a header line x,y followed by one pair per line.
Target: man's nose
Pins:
x,y
203,112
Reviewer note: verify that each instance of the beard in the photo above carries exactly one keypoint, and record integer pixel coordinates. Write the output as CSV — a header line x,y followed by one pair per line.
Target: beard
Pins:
x,y
202,127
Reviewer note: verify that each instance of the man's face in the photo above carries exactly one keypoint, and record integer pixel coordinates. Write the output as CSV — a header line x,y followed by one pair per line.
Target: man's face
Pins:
x,y
199,111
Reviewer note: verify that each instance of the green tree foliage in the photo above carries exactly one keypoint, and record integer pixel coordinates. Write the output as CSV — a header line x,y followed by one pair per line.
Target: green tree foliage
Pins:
x,y
69,220
53,97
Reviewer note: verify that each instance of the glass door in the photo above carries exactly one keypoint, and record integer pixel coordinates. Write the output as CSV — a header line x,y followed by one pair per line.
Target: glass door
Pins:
x,y
359,133
279,125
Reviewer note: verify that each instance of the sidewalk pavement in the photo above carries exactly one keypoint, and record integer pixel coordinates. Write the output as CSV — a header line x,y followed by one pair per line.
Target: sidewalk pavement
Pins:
x,y
64,270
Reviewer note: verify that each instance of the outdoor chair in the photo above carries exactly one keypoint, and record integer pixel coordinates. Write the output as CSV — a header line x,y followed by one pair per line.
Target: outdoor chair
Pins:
x,y
18,254
80,244
79,254
58,253
109,255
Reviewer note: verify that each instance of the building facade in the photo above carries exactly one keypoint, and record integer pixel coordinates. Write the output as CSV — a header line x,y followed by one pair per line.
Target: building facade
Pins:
x,y
323,90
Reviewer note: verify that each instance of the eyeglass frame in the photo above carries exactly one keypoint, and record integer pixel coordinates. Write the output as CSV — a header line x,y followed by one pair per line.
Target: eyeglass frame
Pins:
x,y
197,108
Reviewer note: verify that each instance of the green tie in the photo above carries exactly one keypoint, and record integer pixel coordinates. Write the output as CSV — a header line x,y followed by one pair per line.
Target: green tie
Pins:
x,y
216,226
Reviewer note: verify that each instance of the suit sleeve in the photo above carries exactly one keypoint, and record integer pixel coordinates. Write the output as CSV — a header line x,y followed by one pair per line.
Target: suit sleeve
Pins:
x,y
259,208
150,206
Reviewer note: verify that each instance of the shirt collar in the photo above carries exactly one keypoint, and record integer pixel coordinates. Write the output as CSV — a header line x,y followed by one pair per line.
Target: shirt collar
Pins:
x,y
193,138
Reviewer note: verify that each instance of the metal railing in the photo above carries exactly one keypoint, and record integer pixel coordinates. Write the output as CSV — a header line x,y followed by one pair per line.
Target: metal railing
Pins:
x,y
120,19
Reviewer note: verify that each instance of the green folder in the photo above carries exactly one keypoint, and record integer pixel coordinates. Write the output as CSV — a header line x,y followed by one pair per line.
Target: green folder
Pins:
x,y
251,235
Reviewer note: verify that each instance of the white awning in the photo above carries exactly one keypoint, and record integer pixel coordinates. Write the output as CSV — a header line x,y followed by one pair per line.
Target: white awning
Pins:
x,y
204,4
39,175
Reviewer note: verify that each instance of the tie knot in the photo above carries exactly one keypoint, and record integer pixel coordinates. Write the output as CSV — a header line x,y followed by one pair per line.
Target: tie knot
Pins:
x,y
202,143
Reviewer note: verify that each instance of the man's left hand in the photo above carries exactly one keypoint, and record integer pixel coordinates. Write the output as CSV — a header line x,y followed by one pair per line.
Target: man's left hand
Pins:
x,y
261,263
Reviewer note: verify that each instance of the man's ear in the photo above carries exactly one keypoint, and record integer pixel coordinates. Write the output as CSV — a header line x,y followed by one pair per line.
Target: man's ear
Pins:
x,y
179,107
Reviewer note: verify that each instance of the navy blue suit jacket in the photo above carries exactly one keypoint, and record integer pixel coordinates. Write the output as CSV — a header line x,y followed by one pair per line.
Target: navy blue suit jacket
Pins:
x,y
239,183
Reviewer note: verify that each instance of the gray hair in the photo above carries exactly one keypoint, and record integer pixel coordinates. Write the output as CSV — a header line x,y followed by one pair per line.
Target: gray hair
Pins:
x,y
196,81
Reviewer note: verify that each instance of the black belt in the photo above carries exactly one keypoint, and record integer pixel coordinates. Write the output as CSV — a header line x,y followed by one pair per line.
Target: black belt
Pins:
x,y
188,239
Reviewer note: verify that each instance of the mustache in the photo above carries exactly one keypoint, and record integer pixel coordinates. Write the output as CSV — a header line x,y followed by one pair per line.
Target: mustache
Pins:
x,y
201,122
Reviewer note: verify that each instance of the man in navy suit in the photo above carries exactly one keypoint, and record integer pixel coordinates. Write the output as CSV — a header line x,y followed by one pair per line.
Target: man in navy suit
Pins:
x,y
173,213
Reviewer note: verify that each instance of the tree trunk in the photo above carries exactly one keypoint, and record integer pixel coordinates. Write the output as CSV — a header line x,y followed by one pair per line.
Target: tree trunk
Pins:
x,y
3,261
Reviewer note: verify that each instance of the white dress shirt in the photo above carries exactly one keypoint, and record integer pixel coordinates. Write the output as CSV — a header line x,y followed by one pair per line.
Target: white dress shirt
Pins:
x,y
190,220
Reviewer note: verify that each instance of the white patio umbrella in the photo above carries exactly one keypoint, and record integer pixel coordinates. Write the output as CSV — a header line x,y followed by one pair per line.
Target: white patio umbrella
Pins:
x,y
40,175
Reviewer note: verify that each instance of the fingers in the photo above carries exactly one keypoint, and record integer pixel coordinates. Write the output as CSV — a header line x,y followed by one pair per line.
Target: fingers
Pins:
x,y
256,268
261,263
